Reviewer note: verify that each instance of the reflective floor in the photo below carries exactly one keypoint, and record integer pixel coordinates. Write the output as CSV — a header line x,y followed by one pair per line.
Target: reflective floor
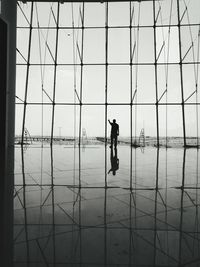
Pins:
x,y
100,207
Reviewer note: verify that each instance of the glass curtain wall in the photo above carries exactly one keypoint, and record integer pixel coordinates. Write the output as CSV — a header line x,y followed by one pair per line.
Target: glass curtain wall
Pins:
x,y
78,65
137,62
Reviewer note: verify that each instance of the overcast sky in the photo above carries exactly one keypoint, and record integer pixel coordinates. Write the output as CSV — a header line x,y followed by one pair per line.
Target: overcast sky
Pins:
x,y
143,76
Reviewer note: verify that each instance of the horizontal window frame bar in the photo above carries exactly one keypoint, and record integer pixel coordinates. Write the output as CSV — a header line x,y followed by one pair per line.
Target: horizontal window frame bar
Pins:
x,y
109,64
109,27
105,104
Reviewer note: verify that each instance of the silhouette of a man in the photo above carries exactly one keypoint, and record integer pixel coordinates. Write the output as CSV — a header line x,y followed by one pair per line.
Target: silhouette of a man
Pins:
x,y
114,132
114,161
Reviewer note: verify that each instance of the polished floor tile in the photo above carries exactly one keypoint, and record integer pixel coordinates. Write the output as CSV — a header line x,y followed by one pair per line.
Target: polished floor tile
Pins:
x,y
71,210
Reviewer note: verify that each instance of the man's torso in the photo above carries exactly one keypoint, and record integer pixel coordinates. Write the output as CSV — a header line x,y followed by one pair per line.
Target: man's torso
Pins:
x,y
114,129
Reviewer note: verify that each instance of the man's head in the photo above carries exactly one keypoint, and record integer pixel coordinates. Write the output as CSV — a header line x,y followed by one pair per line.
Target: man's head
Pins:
x,y
114,121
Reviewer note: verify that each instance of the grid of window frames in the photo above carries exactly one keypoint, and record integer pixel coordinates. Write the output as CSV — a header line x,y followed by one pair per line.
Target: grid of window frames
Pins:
x,y
137,62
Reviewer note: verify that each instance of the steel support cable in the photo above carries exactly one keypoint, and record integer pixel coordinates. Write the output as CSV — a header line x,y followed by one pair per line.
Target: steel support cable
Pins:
x,y
167,68
19,99
45,52
27,74
132,16
46,45
163,47
81,78
156,72
74,61
181,74
136,73
42,64
55,74
75,41
164,42
21,55
53,14
136,53
41,74
26,65
23,13
166,59
77,50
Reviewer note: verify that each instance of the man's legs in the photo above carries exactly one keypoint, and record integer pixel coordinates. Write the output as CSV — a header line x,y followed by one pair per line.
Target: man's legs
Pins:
x,y
115,141
111,140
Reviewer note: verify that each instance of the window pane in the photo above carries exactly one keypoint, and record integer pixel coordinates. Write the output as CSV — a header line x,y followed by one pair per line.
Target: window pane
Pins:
x,y
118,81
94,84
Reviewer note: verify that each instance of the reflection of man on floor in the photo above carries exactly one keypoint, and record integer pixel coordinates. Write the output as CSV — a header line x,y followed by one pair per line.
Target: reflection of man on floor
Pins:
x,y
114,161
114,132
